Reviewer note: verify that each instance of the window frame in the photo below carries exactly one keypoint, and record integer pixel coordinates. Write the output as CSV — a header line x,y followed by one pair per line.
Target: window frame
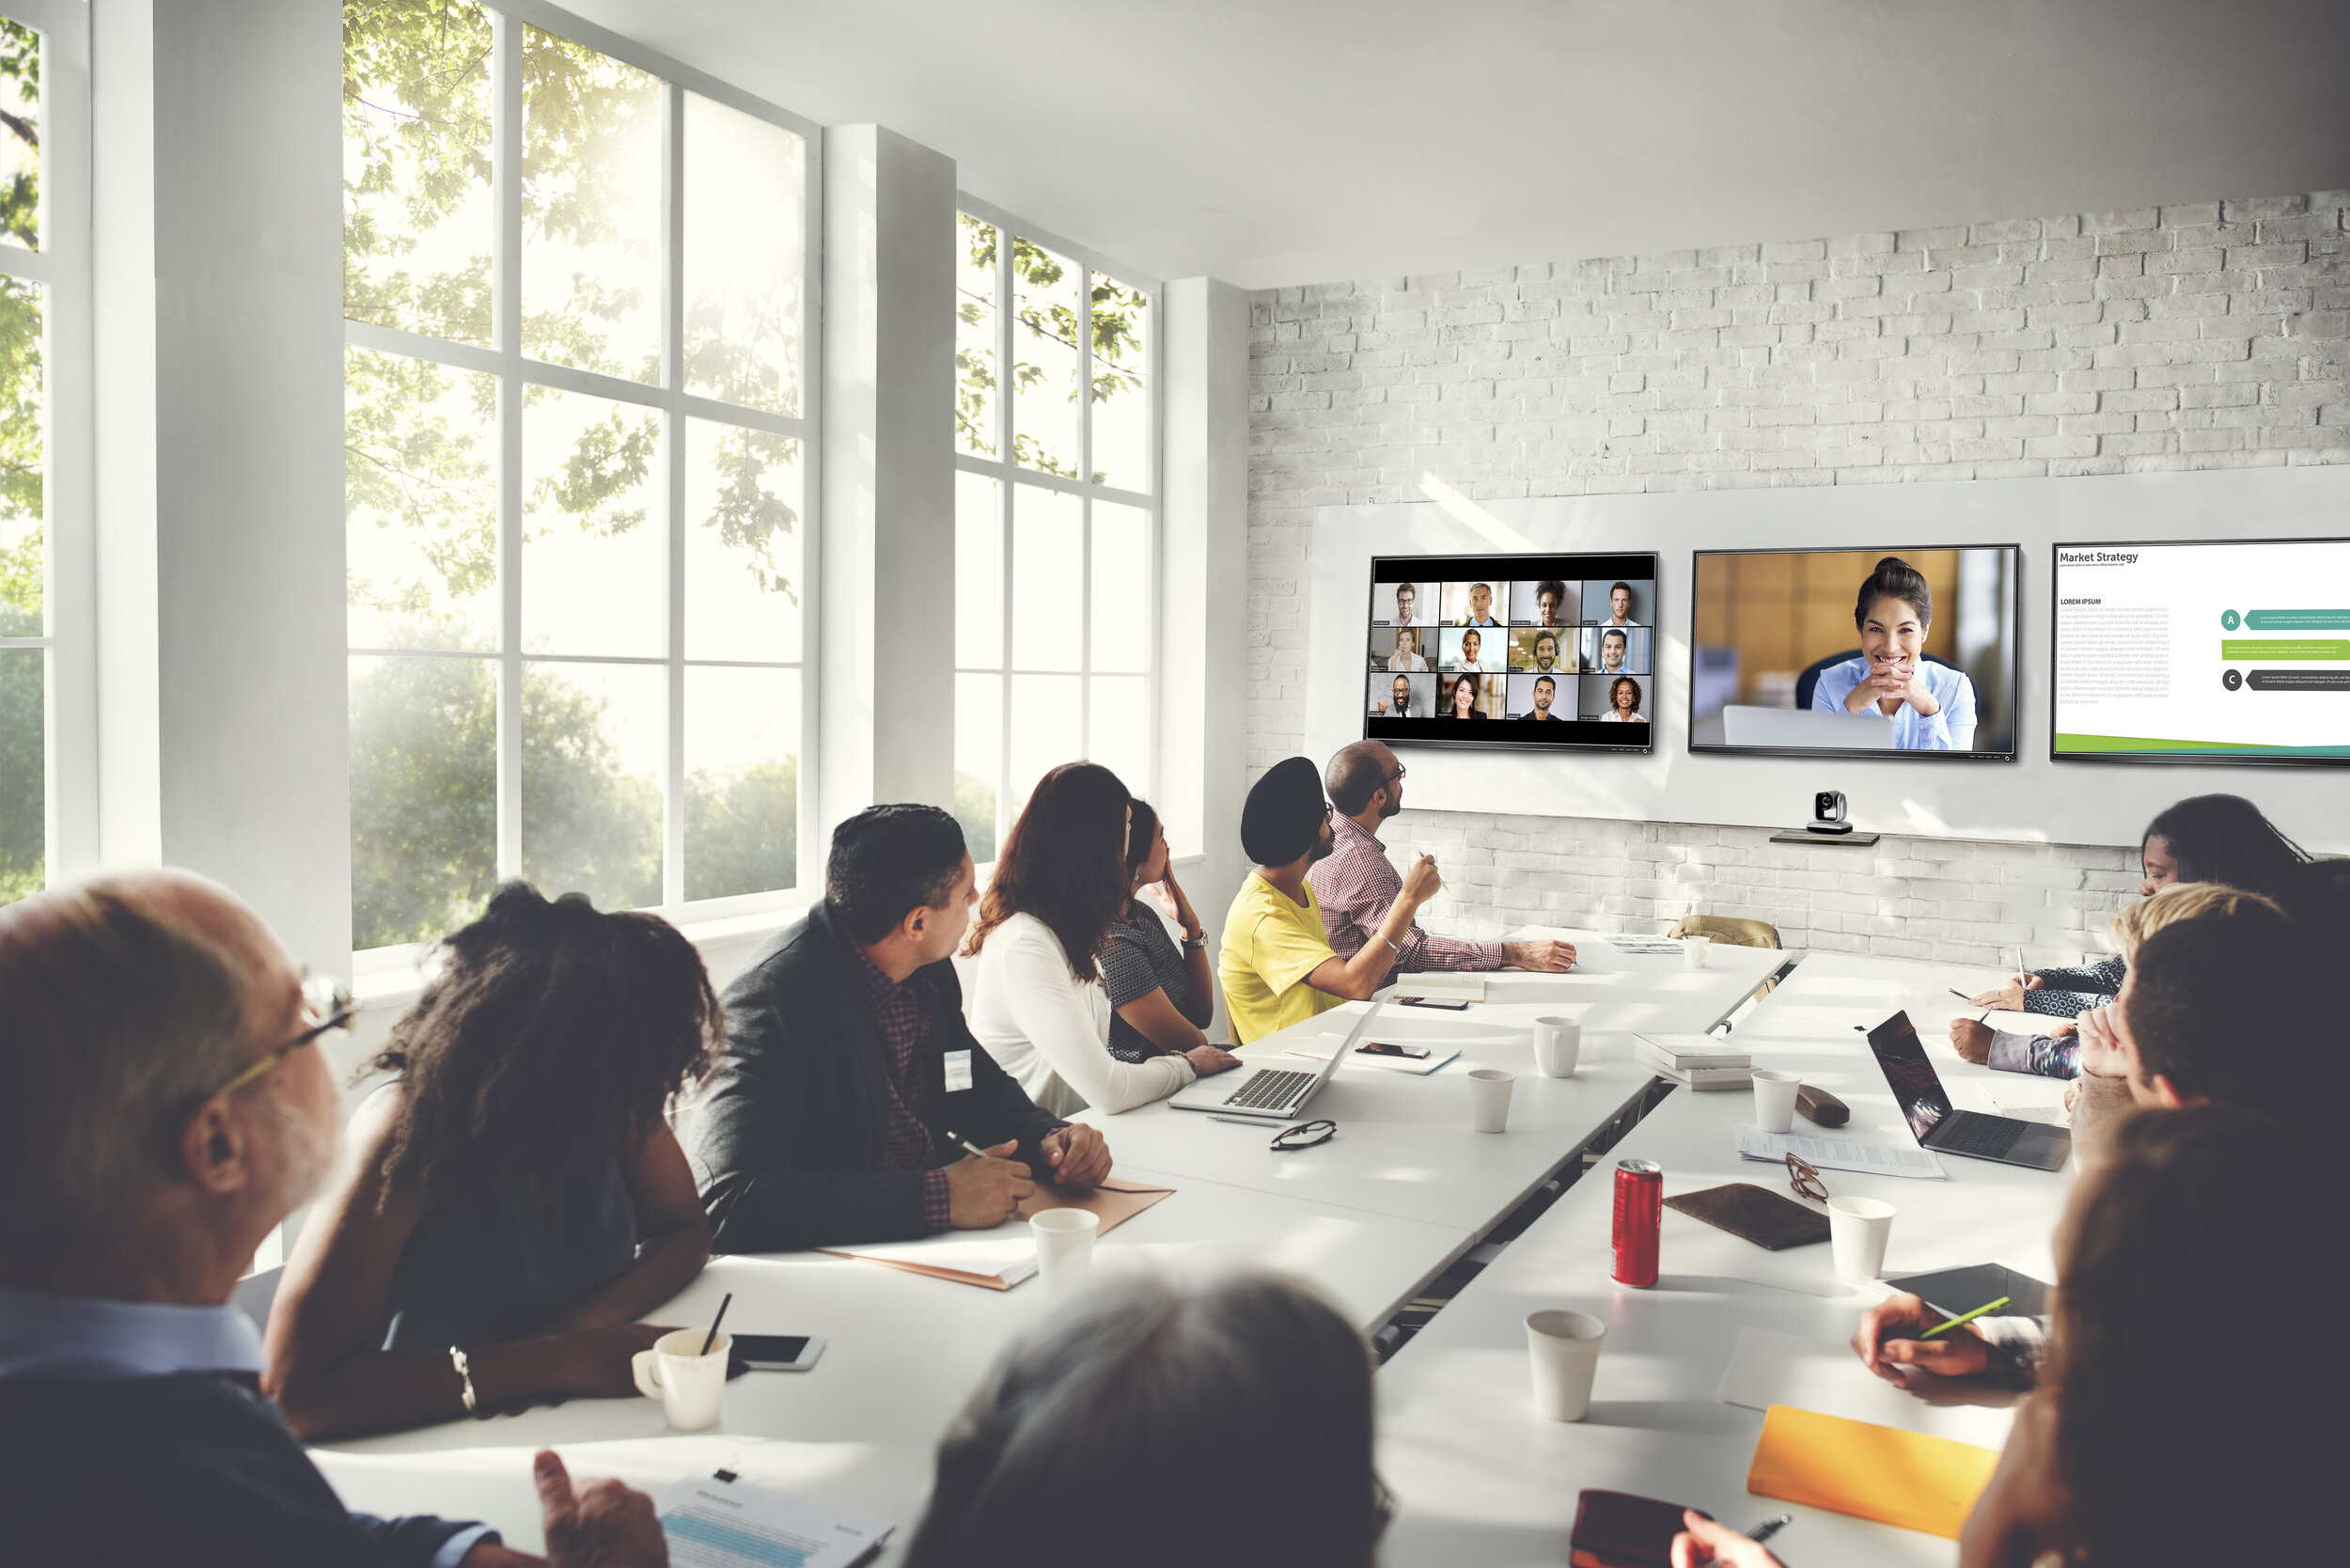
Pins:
x,y
1007,473
514,371
62,269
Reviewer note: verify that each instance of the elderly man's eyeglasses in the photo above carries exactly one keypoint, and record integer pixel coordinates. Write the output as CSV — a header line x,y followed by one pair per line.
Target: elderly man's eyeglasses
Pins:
x,y
326,1006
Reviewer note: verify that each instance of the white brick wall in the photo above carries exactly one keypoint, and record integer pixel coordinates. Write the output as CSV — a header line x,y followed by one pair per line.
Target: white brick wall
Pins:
x,y
2216,335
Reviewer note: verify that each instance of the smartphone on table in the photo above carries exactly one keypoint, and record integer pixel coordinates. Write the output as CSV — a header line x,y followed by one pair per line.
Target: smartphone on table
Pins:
x,y
1382,1048
1447,1003
777,1352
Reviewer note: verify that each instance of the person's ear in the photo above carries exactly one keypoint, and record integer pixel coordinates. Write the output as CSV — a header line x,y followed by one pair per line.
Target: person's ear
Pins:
x,y
2170,1097
917,920
216,1148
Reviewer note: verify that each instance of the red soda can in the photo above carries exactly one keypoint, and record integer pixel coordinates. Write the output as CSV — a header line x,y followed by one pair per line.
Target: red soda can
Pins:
x,y
1639,1216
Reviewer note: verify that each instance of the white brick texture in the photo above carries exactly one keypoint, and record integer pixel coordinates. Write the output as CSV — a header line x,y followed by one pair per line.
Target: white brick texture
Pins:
x,y
2209,336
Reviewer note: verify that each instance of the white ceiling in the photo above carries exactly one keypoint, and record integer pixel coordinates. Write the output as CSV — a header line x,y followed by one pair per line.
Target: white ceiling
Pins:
x,y
1298,141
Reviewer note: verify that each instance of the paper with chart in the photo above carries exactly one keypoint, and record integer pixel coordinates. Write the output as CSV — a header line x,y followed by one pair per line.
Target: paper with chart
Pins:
x,y
718,1522
1825,1375
1829,1152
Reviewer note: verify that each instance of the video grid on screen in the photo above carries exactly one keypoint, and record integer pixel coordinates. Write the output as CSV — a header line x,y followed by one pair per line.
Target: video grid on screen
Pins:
x,y
1530,650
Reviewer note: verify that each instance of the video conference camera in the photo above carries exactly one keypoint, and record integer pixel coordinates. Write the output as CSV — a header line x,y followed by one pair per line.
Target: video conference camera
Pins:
x,y
1828,814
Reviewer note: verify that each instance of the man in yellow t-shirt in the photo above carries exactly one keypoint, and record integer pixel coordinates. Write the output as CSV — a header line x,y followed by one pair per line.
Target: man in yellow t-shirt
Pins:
x,y
1277,965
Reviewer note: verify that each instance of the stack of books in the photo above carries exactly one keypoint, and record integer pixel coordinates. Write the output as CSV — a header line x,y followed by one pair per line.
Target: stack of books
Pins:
x,y
1701,1060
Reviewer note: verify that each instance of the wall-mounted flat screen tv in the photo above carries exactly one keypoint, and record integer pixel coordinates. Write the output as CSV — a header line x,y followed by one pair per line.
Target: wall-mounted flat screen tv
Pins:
x,y
1905,650
2221,650
1539,652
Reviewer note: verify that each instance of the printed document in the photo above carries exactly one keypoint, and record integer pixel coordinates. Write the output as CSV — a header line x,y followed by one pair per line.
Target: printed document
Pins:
x,y
714,1522
1829,1152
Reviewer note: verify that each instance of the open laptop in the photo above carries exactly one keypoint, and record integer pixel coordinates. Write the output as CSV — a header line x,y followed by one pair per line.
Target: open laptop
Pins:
x,y
1806,729
1917,1089
1272,1094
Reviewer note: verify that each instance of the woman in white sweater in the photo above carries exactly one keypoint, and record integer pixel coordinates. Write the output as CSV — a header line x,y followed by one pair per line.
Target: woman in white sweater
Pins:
x,y
1039,1006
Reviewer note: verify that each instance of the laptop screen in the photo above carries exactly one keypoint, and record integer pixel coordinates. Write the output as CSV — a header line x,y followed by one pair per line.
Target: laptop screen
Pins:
x,y
1915,1083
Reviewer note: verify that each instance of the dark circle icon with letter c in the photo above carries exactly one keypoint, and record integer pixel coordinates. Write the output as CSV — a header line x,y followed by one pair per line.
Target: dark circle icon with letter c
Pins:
x,y
2231,679
2229,622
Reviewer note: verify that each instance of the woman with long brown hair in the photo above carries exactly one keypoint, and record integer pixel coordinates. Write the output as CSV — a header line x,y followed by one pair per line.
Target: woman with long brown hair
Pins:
x,y
516,1201
1038,1005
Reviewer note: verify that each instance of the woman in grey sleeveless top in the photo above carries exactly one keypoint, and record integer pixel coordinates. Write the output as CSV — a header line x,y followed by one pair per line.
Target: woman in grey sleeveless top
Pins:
x,y
516,1201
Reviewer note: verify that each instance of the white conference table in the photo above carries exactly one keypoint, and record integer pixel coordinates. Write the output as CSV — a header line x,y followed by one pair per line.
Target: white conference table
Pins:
x,y
1403,1144
860,1429
1409,1188
1482,1479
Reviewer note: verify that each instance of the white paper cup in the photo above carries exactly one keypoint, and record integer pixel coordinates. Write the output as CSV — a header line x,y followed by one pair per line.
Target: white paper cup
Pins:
x,y
1858,1229
1489,1098
1774,1100
1558,1046
1693,950
1564,1348
1064,1244
690,1386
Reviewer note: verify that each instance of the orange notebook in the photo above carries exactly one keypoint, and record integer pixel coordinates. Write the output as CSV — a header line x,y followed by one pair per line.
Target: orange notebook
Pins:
x,y
1869,1472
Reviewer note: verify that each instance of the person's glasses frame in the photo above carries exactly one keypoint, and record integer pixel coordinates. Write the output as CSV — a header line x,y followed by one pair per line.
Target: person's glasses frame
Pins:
x,y
327,1003
1306,1135
1804,1178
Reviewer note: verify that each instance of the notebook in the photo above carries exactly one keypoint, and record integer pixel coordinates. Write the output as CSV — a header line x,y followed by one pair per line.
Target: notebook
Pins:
x,y
997,1260
1904,1479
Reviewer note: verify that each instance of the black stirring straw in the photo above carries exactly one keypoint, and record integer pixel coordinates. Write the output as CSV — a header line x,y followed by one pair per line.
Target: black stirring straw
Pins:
x,y
712,1337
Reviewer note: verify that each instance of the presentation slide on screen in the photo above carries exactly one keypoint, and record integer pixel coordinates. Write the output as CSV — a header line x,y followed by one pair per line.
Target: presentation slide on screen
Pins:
x,y
2235,650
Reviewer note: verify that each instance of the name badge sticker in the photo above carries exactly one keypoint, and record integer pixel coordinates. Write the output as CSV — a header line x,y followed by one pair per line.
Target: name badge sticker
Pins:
x,y
958,1071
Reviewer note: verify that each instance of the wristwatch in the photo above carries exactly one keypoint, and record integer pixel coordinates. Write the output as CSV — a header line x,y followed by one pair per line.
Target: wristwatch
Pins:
x,y
1195,944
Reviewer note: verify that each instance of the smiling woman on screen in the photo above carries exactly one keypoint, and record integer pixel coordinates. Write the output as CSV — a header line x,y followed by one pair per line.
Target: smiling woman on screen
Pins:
x,y
1931,705
1623,702
1465,698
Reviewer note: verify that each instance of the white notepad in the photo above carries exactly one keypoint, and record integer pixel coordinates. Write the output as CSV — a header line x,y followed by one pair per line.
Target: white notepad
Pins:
x,y
1825,1375
1829,1152
718,1522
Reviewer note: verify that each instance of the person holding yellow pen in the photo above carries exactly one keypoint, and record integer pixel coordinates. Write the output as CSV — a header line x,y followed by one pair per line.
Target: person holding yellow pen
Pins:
x,y
2159,1438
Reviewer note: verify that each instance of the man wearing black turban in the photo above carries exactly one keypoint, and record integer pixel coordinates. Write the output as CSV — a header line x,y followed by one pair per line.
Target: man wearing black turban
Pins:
x,y
1278,968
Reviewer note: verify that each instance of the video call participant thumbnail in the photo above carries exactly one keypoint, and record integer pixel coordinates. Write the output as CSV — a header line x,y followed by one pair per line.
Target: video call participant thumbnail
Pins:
x,y
1399,653
1537,698
1472,603
1550,602
1402,696
1540,650
1620,604
1616,650
1469,649
1932,704
1624,697
1406,605
1469,696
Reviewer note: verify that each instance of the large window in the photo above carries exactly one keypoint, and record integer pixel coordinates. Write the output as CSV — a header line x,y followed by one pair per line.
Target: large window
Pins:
x,y
1055,520
577,284
27,605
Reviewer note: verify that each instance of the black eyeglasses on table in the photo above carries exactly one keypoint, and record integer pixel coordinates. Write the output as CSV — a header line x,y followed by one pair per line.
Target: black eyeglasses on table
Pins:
x,y
1305,1134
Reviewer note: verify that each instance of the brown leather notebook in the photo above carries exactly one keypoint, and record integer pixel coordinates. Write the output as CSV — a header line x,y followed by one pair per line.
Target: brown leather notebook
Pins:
x,y
1754,1214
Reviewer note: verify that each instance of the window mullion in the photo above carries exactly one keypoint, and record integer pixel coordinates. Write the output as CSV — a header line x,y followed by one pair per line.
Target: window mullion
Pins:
x,y
1084,329
673,455
1007,518
505,119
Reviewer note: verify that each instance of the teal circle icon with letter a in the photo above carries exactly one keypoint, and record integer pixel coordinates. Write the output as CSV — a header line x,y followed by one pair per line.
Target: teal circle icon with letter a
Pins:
x,y
2230,621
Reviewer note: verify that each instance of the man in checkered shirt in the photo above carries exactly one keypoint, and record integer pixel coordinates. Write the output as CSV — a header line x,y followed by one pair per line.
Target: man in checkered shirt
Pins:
x,y
1356,883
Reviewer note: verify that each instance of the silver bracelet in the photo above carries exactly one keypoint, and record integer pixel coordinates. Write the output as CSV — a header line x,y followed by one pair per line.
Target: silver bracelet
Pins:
x,y
1389,941
464,1375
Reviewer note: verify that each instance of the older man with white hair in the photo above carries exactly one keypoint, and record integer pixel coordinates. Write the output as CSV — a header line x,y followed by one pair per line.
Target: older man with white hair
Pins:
x,y
163,1107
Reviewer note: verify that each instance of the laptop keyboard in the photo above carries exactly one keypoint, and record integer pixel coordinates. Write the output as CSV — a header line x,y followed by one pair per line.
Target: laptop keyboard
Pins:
x,y
1267,1089
1989,1136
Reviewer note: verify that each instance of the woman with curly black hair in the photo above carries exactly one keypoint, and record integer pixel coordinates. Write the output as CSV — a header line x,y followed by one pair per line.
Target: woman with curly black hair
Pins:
x,y
513,1199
